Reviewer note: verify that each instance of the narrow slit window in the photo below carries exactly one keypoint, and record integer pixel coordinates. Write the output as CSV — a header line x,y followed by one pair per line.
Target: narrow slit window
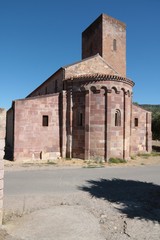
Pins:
x,y
136,122
114,45
45,121
117,118
46,90
91,49
56,86
80,119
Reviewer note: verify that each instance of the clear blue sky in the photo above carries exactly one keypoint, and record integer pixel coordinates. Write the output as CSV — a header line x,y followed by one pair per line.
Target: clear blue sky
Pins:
x,y
37,37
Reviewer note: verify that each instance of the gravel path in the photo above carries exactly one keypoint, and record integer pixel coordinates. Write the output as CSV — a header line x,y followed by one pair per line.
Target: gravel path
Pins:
x,y
77,216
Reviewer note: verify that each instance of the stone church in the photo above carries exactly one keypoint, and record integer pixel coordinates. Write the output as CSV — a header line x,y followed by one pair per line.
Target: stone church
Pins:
x,y
84,110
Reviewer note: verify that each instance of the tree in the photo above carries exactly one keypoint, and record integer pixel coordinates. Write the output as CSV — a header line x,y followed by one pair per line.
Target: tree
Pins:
x,y
155,109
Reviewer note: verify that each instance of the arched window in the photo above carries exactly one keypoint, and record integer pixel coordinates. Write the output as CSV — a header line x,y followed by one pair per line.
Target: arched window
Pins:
x,y
117,118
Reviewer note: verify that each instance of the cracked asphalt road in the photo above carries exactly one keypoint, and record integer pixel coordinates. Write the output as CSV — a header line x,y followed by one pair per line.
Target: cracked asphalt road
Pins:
x,y
73,203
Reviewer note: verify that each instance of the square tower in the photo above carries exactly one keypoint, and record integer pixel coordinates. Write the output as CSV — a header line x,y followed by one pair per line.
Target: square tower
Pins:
x,y
106,36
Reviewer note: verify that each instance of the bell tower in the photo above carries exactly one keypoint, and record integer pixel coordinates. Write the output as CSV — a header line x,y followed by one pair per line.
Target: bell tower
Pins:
x,y
106,36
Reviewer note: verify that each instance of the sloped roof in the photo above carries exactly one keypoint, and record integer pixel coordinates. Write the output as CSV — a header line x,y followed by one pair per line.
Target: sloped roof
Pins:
x,y
88,59
90,65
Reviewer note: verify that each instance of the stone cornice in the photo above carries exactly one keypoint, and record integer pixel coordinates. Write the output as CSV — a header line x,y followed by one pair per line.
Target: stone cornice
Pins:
x,y
100,77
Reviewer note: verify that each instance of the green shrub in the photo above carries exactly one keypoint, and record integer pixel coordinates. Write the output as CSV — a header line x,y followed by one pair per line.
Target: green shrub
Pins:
x,y
147,155
155,154
117,160
144,155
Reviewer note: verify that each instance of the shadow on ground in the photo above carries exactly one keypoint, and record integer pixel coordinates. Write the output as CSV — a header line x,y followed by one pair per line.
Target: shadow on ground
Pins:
x,y
135,199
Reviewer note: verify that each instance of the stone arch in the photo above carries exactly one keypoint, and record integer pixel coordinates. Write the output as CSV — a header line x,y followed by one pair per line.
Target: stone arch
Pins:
x,y
104,88
123,90
95,89
84,88
115,89
128,93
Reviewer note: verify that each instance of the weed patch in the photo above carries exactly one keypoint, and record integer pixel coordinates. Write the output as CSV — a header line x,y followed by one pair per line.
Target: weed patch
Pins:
x,y
147,155
144,155
51,162
117,160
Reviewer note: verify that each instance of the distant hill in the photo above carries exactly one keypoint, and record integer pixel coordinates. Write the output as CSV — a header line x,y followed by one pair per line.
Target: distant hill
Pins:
x,y
151,107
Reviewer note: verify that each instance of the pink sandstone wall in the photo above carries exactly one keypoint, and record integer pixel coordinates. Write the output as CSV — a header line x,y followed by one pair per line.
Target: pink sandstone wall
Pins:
x,y
97,124
92,39
114,29
78,133
116,132
98,137
2,146
120,100
99,37
32,139
141,133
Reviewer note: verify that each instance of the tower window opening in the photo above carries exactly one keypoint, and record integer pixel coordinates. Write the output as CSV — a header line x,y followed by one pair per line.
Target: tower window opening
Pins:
x,y
114,45
136,122
46,90
91,49
117,118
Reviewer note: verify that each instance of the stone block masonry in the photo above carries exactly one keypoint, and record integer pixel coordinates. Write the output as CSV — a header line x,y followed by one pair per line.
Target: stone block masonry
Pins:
x,y
36,129
84,110
2,146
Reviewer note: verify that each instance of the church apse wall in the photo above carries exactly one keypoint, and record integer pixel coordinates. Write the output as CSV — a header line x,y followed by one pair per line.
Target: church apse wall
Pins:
x,y
102,104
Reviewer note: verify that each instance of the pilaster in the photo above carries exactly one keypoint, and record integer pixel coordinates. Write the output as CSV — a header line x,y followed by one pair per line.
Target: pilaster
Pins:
x,y
69,123
63,123
126,125
108,123
87,124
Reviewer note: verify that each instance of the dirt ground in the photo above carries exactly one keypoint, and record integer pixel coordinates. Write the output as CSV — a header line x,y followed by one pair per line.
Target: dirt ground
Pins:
x,y
87,217
135,161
